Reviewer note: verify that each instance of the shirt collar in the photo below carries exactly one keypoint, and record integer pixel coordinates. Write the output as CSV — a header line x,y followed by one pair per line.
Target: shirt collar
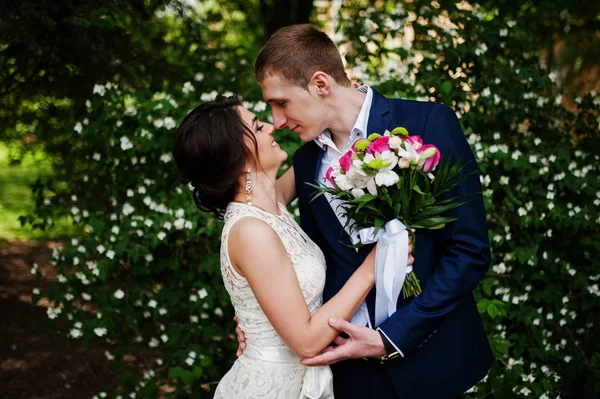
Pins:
x,y
359,130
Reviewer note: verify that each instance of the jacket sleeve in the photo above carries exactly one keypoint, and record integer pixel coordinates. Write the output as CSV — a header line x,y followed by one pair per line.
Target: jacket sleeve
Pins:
x,y
465,250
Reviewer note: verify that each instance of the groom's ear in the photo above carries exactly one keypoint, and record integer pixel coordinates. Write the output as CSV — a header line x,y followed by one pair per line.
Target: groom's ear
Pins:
x,y
322,83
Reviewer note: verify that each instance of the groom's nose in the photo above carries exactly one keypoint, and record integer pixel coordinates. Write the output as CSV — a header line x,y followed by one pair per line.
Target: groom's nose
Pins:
x,y
279,119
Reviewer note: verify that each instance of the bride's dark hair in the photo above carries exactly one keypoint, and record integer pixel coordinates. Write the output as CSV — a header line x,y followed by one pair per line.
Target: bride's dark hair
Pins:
x,y
210,151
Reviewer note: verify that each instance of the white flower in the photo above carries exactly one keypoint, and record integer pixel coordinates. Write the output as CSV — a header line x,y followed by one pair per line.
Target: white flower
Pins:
x,y
199,77
170,123
110,254
115,230
162,311
395,142
161,235
159,122
188,225
53,312
193,298
179,213
357,192
131,111
568,359
119,294
153,343
126,143
194,319
202,293
127,209
100,331
386,178
219,312
86,296
164,338
166,158
99,89
189,361
36,291
372,187
152,303
75,333
179,223
188,88
100,248
78,127
149,258
342,182
525,391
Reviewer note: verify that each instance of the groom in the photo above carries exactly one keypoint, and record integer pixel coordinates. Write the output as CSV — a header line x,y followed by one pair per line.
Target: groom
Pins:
x,y
434,345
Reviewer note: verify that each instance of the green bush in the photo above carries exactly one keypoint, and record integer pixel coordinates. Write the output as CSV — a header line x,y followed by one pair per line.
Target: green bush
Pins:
x,y
144,279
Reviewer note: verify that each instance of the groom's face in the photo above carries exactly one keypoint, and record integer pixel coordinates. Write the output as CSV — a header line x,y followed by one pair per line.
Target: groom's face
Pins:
x,y
304,112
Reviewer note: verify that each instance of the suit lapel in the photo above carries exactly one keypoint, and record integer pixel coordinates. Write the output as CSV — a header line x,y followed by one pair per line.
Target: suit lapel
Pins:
x,y
379,115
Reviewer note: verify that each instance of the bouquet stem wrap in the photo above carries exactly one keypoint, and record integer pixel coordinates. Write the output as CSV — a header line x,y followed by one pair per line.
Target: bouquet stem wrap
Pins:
x,y
391,265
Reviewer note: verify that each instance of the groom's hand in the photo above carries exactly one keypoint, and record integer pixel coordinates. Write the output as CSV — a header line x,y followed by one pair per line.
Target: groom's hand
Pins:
x,y
361,342
241,337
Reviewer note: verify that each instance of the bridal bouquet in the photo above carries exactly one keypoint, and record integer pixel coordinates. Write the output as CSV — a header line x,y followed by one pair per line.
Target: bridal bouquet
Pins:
x,y
387,178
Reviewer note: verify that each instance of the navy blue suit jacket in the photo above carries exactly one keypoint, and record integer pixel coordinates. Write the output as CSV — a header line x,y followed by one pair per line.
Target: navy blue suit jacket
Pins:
x,y
440,332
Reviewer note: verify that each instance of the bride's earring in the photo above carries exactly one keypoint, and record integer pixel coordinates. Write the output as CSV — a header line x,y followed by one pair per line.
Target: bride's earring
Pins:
x,y
249,186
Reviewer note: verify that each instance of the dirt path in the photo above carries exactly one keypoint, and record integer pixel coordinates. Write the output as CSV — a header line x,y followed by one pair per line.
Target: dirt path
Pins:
x,y
35,363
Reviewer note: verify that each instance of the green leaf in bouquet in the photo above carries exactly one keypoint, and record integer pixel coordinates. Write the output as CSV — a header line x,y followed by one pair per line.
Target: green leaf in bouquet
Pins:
x,y
418,189
438,210
433,223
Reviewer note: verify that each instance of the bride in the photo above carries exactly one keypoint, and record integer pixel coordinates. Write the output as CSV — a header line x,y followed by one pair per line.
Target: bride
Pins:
x,y
272,271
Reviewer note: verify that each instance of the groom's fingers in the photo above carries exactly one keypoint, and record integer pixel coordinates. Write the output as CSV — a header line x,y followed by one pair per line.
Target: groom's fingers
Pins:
x,y
411,260
339,340
343,326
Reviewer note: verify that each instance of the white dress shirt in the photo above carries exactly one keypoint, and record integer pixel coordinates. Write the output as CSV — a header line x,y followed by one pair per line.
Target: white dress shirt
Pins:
x,y
331,156
332,153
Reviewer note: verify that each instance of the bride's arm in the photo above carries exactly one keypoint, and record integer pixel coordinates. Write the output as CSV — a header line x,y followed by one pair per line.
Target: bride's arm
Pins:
x,y
286,187
258,254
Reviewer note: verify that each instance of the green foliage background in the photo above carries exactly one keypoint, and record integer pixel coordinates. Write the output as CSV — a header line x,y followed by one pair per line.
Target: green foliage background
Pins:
x,y
143,278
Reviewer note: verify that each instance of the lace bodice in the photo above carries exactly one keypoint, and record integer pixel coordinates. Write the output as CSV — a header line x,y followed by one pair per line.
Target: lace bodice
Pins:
x,y
306,257
261,377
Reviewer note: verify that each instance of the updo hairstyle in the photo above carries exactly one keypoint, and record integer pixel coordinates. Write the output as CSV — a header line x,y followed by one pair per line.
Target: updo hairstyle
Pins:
x,y
211,151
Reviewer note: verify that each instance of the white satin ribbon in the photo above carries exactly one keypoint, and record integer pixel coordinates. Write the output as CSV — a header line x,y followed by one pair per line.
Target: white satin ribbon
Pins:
x,y
318,380
391,268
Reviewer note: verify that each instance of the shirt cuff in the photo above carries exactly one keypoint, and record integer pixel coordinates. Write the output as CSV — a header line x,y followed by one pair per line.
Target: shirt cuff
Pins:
x,y
387,342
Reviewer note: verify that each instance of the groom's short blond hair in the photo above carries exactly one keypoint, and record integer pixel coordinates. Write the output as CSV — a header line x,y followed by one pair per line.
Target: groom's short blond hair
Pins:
x,y
296,52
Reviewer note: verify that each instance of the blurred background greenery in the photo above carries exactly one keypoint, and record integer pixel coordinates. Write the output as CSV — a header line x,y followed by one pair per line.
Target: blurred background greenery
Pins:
x,y
86,93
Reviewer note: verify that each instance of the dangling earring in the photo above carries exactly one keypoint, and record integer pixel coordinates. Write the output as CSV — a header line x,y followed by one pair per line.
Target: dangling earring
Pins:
x,y
249,186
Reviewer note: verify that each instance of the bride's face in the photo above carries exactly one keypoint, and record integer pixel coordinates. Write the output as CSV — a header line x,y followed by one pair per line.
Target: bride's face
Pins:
x,y
269,154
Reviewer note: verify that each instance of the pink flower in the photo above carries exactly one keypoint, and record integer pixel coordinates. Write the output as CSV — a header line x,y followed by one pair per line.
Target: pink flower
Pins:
x,y
328,176
346,161
430,157
415,141
379,145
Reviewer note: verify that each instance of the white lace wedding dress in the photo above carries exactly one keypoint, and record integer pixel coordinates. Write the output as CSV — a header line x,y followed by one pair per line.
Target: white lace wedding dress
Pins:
x,y
268,369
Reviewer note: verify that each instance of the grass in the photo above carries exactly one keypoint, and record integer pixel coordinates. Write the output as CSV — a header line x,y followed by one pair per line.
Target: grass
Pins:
x,y
16,198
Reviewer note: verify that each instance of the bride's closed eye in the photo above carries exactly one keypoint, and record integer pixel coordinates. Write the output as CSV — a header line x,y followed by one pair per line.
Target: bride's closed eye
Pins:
x,y
259,127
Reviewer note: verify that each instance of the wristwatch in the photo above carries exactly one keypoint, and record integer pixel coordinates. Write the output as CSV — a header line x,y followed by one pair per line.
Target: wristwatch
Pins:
x,y
391,352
